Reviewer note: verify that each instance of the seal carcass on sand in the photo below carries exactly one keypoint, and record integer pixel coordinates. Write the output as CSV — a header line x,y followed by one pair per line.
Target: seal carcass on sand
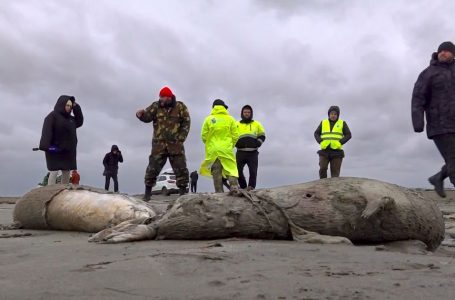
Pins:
x,y
355,209
77,208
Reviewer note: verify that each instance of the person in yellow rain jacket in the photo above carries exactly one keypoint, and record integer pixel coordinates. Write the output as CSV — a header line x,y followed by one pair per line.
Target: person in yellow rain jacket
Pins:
x,y
220,134
331,135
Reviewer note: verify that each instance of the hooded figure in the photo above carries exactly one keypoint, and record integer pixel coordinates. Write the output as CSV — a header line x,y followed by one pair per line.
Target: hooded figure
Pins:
x,y
58,138
331,134
219,134
246,119
110,162
335,109
251,137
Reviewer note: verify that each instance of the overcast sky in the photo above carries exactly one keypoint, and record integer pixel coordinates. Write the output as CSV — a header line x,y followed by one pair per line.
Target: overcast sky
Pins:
x,y
290,60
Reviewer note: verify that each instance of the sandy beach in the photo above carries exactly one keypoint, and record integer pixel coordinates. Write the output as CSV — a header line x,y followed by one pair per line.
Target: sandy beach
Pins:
x,y
62,265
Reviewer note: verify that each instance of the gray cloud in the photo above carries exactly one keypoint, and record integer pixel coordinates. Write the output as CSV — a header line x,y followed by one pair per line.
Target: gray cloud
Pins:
x,y
290,60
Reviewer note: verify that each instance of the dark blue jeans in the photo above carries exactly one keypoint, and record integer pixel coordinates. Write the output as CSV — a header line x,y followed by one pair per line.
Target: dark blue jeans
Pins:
x,y
108,181
446,146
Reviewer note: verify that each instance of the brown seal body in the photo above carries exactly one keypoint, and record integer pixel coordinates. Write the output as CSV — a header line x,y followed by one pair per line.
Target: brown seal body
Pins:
x,y
361,210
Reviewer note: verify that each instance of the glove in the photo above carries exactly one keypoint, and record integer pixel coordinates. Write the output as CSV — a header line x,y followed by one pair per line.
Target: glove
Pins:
x,y
53,149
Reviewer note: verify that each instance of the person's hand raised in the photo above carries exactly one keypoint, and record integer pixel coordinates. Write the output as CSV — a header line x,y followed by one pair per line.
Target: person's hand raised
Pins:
x,y
140,113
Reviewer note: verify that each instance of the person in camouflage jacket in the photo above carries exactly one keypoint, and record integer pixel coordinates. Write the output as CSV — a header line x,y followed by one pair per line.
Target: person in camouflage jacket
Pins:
x,y
171,125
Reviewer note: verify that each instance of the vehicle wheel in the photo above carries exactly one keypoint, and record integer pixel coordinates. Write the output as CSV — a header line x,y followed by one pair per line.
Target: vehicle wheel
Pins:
x,y
164,191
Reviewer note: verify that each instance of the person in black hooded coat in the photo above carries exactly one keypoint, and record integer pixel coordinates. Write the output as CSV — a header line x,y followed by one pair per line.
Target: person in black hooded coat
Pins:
x,y
59,139
110,163
433,99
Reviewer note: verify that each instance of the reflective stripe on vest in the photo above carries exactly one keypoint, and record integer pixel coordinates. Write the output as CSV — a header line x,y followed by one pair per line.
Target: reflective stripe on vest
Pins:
x,y
252,129
332,138
249,132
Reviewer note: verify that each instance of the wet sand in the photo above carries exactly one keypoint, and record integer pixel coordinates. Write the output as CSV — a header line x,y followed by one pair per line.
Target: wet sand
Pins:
x,y
61,265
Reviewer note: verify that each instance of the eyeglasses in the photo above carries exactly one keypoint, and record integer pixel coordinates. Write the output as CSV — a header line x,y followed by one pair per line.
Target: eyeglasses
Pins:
x,y
69,105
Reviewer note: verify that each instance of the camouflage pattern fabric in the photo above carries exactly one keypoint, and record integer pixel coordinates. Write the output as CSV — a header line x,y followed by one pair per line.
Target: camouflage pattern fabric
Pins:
x,y
217,174
217,170
171,126
157,160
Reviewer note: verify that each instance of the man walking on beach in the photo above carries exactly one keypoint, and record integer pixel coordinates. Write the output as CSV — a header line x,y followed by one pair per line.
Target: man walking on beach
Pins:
x,y
434,97
219,134
331,135
171,125
251,137
193,181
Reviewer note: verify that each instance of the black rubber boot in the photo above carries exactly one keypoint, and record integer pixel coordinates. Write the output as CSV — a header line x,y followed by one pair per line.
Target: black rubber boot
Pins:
x,y
438,182
148,193
182,191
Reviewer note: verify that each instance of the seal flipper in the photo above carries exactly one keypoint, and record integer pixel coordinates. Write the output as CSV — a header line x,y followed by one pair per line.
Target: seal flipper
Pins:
x,y
373,207
128,231
301,235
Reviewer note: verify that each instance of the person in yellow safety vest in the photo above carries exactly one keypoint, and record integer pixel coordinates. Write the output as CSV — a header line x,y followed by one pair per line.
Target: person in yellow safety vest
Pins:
x,y
251,137
331,135
219,134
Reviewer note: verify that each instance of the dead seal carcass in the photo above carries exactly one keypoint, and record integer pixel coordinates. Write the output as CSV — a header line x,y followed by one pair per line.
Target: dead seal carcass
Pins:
x,y
361,210
76,208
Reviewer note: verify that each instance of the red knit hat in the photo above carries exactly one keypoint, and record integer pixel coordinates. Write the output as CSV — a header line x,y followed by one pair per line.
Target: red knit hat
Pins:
x,y
166,92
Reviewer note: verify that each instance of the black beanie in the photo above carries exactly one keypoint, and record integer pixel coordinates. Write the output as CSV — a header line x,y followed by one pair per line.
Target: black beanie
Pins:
x,y
447,46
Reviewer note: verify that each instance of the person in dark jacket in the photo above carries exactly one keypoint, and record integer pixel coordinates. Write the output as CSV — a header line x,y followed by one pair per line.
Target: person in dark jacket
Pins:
x,y
193,178
331,135
110,163
251,137
434,98
59,139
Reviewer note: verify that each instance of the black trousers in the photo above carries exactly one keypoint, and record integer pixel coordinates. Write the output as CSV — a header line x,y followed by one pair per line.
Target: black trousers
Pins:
x,y
108,180
194,186
249,158
446,146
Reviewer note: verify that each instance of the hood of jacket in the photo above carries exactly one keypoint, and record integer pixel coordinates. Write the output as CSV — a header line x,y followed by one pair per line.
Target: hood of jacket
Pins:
x,y
114,147
246,120
61,103
219,110
334,108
